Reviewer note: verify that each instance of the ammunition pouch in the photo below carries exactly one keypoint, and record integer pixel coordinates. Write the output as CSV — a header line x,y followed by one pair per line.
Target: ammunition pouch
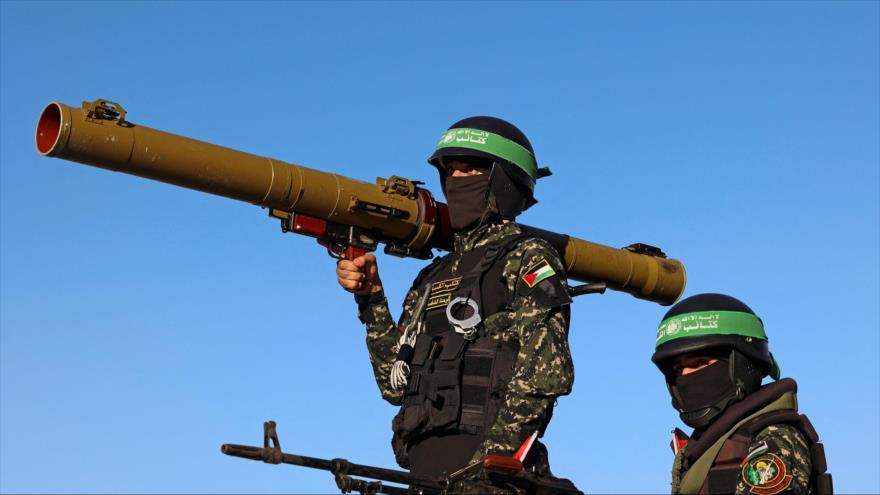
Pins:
x,y
433,394
458,391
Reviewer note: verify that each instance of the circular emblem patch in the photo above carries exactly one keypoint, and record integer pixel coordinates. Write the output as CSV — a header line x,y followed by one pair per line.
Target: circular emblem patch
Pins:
x,y
765,474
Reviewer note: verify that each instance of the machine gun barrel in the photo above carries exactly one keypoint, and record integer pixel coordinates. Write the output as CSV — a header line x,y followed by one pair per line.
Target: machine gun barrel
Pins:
x,y
269,455
505,471
348,215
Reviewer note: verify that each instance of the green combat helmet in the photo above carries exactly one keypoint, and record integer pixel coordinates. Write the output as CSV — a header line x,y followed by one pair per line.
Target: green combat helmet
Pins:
x,y
514,169
721,327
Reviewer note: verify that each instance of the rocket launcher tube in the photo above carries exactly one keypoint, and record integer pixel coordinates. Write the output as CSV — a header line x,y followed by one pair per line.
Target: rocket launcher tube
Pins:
x,y
98,135
646,276
393,211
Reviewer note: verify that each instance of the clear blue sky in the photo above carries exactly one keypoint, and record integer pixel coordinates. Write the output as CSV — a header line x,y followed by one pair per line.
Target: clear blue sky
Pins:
x,y
144,325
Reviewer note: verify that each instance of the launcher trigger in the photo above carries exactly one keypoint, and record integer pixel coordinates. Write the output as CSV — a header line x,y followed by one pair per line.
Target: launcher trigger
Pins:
x,y
333,249
342,252
352,252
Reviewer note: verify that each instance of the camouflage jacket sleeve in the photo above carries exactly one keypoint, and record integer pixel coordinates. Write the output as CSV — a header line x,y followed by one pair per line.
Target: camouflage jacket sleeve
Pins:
x,y
382,338
537,320
778,462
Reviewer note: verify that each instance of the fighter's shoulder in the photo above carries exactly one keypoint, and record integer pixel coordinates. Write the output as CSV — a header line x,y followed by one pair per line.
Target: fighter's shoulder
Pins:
x,y
428,269
778,461
781,436
530,250
535,270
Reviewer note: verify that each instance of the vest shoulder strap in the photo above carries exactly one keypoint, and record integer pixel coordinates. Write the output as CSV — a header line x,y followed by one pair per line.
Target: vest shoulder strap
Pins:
x,y
425,272
498,250
492,252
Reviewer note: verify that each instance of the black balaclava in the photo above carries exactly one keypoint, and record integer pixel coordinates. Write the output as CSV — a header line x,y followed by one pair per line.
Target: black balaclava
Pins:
x,y
467,198
702,395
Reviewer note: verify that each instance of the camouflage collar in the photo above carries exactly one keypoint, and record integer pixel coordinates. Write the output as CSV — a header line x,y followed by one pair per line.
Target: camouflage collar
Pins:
x,y
484,234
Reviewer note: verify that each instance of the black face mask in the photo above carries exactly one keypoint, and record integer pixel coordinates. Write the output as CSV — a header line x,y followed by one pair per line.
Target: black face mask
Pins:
x,y
702,395
467,200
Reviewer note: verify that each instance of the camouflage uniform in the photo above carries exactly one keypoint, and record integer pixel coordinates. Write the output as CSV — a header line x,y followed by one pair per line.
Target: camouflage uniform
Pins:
x,y
543,369
789,446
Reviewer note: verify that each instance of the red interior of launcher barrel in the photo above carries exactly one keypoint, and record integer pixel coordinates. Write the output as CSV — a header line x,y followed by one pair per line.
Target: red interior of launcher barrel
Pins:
x,y
48,128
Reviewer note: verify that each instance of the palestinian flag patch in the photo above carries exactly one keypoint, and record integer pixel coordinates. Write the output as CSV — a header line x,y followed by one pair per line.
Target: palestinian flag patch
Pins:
x,y
539,271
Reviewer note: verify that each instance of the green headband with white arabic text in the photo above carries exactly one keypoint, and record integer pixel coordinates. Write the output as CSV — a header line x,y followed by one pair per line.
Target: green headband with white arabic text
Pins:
x,y
495,145
710,323
714,323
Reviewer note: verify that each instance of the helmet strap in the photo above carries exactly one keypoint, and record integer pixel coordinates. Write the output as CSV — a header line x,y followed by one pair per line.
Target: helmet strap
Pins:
x,y
744,373
505,197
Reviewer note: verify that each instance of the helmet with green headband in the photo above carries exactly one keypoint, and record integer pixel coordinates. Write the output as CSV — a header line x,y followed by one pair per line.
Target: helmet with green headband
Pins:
x,y
721,327
514,169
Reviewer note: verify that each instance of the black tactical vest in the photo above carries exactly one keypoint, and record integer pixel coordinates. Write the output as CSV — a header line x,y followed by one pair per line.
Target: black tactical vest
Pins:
x,y
456,383
727,465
